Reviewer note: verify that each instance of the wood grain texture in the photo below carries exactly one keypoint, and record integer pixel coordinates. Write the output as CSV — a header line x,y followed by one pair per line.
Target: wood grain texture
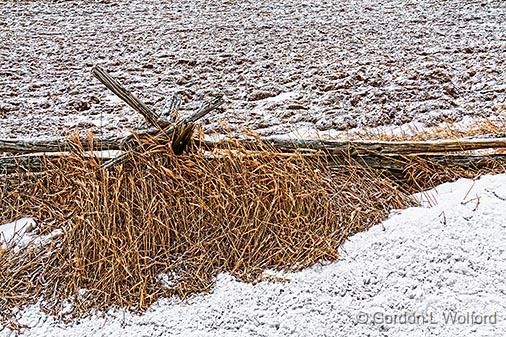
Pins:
x,y
120,91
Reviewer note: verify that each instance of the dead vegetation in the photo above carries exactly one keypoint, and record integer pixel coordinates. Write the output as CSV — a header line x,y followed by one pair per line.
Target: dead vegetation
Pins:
x,y
188,217
161,225
481,127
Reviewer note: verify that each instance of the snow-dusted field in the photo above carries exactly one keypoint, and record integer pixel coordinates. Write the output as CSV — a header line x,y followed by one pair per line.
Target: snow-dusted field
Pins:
x,y
281,64
435,270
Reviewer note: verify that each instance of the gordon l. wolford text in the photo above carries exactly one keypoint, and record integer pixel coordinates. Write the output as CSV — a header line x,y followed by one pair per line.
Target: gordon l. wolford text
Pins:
x,y
444,317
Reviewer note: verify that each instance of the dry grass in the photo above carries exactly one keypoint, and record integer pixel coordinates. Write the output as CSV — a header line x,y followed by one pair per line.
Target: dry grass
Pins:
x,y
189,216
192,216
449,130
419,174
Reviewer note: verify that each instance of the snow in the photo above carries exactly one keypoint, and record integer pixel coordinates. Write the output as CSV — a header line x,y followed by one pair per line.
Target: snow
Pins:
x,y
311,69
411,129
356,63
408,276
17,233
22,232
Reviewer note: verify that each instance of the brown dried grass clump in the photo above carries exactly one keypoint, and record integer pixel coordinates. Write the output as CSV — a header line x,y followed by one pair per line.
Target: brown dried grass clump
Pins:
x,y
420,173
188,216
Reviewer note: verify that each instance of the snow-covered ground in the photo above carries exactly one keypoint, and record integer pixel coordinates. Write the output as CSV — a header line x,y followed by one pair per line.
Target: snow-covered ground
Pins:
x,y
283,65
434,270
286,67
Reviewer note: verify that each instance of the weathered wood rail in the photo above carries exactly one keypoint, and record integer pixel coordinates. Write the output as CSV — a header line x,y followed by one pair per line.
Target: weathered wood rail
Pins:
x,y
120,91
352,147
365,147
392,156
58,145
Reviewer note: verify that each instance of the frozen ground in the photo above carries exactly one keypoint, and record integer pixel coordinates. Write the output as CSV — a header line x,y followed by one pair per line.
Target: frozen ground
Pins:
x,y
428,266
282,65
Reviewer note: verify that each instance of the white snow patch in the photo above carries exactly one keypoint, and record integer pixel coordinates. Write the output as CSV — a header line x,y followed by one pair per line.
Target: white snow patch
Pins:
x,y
281,97
20,233
17,234
168,280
